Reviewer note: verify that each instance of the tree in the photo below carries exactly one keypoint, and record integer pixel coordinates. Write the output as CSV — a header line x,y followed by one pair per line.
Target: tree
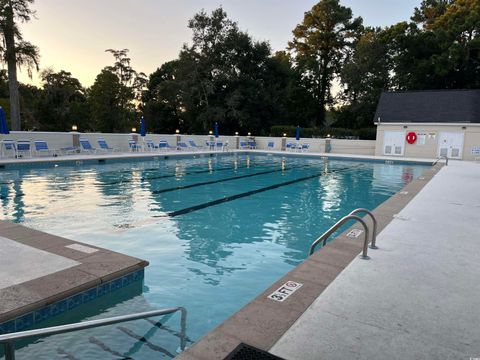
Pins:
x,y
30,99
442,53
320,45
364,76
163,99
223,76
16,51
132,85
429,11
457,32
62,103
105,100
132,80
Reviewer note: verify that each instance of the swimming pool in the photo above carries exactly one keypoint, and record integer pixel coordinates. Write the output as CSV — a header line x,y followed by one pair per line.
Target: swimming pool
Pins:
x,y
216,231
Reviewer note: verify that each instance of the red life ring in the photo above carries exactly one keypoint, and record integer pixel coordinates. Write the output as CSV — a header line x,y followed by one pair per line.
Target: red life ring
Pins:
x,y
411,138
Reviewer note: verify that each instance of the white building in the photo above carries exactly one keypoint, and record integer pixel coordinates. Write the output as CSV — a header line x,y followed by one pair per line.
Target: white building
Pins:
x,y
429,124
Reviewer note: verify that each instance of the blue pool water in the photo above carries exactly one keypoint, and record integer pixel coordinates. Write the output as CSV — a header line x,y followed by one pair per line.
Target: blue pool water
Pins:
x,y
216,230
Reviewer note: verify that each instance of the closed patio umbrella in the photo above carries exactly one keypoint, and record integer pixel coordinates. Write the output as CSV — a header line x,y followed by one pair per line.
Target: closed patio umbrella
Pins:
x,y
215,129
297,133
3,122
143,130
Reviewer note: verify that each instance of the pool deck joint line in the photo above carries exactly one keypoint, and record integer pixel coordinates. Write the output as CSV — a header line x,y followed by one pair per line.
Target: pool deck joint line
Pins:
x,y
263,321
39,269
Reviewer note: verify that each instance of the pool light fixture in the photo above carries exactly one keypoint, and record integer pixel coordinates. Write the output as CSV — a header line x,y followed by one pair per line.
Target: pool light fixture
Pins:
x,y
177,131
74,128
249,134
210,132
284,135
134,129
236,133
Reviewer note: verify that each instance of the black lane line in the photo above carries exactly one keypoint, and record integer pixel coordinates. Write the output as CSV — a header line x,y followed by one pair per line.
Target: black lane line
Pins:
x,y
246,194
182,187
175,175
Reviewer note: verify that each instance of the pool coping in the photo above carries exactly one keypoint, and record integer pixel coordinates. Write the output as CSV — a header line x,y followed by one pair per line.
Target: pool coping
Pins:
x,y
82,158
350,157
262,322
94,269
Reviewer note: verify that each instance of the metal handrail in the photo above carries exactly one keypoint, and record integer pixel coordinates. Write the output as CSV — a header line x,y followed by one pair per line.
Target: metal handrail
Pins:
x,y
374,220
440,158
8,339
330,231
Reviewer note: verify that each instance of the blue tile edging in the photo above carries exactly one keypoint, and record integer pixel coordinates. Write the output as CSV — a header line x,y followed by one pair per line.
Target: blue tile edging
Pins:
x,y
33,318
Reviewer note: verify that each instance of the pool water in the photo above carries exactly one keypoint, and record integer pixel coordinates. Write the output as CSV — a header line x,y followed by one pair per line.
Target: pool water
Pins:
x,y
216,230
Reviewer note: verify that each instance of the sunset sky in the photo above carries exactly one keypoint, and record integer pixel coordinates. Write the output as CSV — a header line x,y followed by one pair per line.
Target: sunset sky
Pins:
x,y
73,35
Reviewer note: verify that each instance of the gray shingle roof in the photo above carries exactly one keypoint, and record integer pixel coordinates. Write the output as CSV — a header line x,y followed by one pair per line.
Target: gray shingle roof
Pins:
x,y
439,106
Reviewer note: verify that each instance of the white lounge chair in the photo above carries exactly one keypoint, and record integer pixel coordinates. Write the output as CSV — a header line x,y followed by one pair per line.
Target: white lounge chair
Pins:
x,y
164,145
85,146
8,147
134,146
41,147
104,146
194,146
24,147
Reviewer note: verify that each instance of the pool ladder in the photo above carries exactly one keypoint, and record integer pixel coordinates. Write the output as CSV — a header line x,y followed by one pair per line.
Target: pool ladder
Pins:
x,y
8,340
440,158
352,216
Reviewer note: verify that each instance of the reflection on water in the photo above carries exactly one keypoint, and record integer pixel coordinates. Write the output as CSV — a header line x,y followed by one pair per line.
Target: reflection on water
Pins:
x,y
221,253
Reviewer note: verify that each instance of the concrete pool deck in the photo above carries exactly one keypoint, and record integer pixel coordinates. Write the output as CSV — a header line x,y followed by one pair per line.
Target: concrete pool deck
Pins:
x,y
39,269
419,296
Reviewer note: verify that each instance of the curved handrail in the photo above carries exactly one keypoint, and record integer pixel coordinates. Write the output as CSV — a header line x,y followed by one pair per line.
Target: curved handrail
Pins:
x,y
374,220
8,339
440,158
330,231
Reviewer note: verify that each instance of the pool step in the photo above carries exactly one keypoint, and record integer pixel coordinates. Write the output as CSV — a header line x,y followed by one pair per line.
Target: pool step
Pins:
x,y
170,331
140,341
144,340
106,348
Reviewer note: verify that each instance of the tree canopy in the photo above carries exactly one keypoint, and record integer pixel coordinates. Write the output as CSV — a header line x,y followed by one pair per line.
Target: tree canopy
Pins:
x,y
331,74
321,43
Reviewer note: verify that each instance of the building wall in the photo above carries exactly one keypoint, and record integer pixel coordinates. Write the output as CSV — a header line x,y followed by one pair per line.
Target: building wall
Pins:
x,y
430,148
357,147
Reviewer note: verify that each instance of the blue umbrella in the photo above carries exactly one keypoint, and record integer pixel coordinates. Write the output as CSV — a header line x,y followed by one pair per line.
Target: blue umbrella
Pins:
x,y
297,133
215,129
3,122
143,132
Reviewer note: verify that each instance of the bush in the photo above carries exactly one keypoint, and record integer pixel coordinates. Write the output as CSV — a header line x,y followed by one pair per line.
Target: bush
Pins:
x,y
338,133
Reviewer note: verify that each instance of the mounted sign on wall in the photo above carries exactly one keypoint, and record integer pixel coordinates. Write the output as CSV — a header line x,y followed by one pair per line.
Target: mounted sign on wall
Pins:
x,y
421,138
476,150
